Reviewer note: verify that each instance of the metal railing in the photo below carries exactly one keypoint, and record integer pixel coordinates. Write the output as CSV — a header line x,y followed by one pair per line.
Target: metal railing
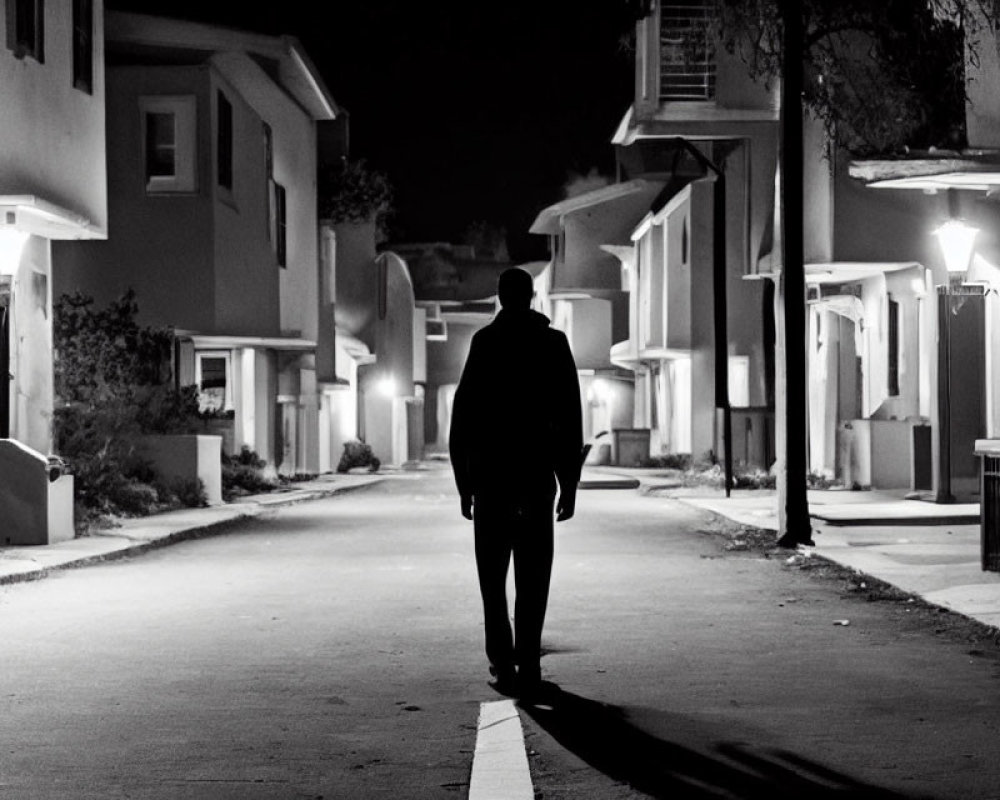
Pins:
x,y
687,50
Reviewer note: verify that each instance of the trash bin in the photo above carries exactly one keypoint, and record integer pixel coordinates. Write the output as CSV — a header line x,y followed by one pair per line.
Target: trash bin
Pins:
x,y
988,451
629,446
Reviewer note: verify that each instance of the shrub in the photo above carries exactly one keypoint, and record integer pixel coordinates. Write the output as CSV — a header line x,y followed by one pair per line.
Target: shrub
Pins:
x,y
113,383
244,473
358,454
188,492
668,461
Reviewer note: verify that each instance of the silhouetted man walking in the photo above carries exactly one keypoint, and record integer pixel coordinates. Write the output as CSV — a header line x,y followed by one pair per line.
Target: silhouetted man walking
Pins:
x,y
516,429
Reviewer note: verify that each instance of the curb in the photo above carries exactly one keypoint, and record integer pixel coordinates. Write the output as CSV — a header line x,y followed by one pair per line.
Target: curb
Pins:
x,y
257,505
812,554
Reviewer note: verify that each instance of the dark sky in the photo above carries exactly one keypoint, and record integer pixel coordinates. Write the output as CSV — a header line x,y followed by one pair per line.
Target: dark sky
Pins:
x,y
476,111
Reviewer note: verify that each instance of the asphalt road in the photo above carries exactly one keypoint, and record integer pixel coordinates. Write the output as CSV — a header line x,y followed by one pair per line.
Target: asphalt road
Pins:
x,y
333,650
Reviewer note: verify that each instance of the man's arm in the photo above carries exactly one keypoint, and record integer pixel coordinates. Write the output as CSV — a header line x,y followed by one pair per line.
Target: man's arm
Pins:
x,y
569,427
460,434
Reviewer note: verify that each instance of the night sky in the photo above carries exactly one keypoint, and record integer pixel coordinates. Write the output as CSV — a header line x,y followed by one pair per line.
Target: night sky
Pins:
x,y
477,112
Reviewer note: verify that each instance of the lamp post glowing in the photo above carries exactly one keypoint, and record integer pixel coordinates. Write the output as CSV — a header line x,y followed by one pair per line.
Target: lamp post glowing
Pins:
x,y
957,239
386,387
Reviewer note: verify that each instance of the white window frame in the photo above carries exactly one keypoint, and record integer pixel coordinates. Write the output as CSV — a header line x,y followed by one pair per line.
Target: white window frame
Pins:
x,y
183,108
227,356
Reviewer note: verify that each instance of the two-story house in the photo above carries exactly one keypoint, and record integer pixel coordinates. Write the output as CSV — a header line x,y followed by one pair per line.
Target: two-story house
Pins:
x,y
212,202
52,188
373,369
581,290
693,97
899,353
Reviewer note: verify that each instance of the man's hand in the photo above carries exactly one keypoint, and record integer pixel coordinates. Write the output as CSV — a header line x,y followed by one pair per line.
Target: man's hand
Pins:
x,y
467,506
566,506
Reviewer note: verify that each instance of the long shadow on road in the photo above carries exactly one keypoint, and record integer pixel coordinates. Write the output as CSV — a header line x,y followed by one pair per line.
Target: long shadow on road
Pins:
x,y
603,736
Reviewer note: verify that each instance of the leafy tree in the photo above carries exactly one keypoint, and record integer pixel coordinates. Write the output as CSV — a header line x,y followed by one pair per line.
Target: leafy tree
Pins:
x,y
883,76
352,192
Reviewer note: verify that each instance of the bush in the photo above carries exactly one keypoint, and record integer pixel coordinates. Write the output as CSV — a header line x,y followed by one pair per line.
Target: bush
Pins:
x,y
358,454
113,384
188,492
245,473
668,461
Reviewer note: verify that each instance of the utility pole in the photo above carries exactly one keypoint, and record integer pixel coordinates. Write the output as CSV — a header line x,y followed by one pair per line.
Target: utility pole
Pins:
x,y
795,527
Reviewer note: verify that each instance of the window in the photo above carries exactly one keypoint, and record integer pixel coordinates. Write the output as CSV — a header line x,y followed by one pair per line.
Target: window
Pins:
x,y
687,50
168,136
26,28
280,225
224,142
212,373
83,45
269,180
893,343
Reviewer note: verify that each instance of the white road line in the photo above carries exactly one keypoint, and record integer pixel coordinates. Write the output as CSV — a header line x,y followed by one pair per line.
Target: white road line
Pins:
x,y
500,764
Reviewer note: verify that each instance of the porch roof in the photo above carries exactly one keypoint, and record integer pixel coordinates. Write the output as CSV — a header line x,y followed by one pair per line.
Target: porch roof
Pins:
x,y
605,205
34,215
205,341
842,271
975,171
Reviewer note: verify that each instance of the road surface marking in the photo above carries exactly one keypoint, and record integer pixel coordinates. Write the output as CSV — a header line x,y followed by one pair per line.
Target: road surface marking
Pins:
x,y
500,763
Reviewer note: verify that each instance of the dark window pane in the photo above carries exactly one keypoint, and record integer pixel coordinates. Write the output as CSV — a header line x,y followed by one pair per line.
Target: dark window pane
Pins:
x,y
83,45
280,243
893,338
161,151
213,373
224,140
26,29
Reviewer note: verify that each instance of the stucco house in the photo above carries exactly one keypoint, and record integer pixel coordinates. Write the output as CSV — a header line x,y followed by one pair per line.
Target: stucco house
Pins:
x,y
52,188
374,367
212,172
583,292
692,96
901,350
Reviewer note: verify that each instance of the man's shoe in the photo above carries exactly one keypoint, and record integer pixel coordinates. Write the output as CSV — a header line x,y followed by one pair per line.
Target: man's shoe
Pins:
x,y
529,682
504,680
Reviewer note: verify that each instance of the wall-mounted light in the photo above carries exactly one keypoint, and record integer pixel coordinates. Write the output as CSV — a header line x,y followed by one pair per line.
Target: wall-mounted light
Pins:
x,y
600,391
386,387
957,239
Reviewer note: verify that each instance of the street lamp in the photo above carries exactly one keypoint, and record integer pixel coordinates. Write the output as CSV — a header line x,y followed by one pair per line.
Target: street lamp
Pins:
x,y
957,239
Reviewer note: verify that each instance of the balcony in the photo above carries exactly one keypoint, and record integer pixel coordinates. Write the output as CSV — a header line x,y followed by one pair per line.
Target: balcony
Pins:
x,y
687,51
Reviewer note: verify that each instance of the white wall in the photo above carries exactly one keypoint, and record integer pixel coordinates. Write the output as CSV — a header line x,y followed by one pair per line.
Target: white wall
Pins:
x,y
51,134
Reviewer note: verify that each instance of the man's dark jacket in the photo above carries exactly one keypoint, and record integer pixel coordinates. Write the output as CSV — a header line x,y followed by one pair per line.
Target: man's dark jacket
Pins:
x,y
516,418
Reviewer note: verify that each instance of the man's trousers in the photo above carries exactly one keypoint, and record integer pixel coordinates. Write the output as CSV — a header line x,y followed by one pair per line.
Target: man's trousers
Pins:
x,y
526,533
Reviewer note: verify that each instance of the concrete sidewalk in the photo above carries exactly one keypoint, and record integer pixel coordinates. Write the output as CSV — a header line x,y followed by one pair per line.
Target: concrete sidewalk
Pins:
x,y
136,535
928,550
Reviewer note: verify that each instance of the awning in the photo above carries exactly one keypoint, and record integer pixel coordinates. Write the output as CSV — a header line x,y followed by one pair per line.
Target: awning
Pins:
x,y
930,174
206,342
848,271
30,214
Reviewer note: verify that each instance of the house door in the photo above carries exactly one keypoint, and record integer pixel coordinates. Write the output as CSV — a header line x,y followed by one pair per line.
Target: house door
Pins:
x,y
963,325
5,371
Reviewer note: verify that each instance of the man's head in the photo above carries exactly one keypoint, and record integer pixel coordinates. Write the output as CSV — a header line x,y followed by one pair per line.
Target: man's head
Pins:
x,y
515,289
